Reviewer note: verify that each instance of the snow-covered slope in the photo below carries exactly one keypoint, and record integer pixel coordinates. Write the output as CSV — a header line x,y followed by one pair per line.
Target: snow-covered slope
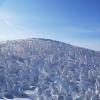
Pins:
x,y
42,69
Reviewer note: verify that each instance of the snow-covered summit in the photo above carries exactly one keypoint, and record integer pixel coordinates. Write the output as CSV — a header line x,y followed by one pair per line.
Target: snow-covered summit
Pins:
x,y
51,70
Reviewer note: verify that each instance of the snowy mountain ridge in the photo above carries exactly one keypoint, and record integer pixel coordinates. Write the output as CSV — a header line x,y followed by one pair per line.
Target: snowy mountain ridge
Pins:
x,y
51,70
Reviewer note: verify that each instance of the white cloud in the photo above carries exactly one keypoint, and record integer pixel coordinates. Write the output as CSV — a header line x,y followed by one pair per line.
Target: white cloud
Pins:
x,y
8,27
5,17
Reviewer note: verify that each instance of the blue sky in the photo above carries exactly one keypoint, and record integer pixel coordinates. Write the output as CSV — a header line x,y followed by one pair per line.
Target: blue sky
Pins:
x,y
72,21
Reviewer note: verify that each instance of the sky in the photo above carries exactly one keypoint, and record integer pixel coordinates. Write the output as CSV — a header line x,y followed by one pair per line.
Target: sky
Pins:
x,y
76,22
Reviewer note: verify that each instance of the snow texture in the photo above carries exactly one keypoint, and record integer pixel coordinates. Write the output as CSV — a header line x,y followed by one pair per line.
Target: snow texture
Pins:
x,y
43,69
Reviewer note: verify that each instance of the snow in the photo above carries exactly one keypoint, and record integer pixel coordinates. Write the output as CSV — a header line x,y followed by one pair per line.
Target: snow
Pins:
x,y
16,99
45,70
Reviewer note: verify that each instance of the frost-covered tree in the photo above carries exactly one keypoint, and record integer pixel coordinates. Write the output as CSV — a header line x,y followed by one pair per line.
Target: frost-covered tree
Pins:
x,y
51,69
